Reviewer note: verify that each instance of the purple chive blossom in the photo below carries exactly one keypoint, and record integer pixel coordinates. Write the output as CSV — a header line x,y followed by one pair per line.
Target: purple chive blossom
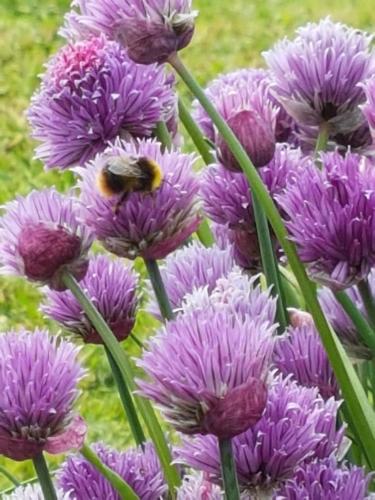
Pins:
x,y
90,94
149,225
32,492
328,480
111,286
226,195
197,487
243,80
41,237
331,217
368,108
269,452
227,200
152,30
301,354
207,371
139,468
238,293
192,267
38,377
341,322
317,75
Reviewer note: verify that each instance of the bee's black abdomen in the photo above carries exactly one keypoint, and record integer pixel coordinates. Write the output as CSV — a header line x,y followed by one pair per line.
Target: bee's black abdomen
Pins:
x,y
114,183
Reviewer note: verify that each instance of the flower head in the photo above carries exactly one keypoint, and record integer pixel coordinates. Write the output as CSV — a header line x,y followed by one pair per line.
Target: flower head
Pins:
x,y
238,293
112,288
190,268
38,376
207,370
325,479
368,108
41,237
228,202
269,452
198,487
91,93
301,353
140,468
317,75
237,83
331,217
32,492
150,225
152,30
341,322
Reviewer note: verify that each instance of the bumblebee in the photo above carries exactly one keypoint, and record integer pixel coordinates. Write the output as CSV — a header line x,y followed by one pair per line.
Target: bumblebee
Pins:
x,y
125,175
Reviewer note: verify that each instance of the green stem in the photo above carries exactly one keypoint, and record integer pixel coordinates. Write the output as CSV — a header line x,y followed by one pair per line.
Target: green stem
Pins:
x,y
228,470
163,135
364,329
270,267
159,289
124,490
127,401
44,477
264,238
144,406
205,234
9,476
358,404
322,141
291,295
368,300
195,133
136,340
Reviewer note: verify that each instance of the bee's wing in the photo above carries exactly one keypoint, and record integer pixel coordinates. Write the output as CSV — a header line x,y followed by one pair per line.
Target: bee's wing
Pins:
x,y
124,167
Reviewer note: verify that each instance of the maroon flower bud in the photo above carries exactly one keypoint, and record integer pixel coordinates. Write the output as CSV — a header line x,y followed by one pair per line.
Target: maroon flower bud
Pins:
x,y
256,136
47,252
238,410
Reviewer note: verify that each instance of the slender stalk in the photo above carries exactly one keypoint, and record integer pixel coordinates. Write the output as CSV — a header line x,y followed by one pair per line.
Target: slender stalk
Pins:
x,y
44,477
357,402
127,401
124,490
205,234
163,135
270,267
368,300
159,289
121,359
228,470
268,257
9,476
292,298
322,141
195,133
364,329
136,340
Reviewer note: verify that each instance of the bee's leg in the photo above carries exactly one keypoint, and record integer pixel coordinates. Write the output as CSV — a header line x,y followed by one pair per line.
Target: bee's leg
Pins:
x,y
116,208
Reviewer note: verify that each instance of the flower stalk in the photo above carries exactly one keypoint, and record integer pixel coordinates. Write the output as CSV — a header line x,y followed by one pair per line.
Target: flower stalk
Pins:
x,y
264,238
124,490
368,300
228,469
163,135
358,405
144,407
159,289
362,326
127,401
44,477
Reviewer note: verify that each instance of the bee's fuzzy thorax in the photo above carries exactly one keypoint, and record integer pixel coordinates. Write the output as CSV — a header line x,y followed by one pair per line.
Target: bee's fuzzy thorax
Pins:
x,y
157,175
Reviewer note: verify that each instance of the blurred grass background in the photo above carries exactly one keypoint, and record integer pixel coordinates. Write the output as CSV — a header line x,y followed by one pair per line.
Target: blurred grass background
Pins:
x,y
229,34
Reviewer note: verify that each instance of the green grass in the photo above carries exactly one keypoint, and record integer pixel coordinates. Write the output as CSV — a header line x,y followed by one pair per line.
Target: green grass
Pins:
x,y
230,34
